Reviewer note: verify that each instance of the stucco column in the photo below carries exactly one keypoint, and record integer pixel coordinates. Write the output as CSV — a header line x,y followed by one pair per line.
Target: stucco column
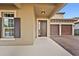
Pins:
x,y
59,29
73,29
48,27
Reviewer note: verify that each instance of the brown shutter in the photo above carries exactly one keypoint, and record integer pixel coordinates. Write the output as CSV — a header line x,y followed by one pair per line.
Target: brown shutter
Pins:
x,y
17,32
0,27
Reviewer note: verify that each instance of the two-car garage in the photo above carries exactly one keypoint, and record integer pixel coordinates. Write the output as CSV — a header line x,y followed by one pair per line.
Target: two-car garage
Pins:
x,y
65,29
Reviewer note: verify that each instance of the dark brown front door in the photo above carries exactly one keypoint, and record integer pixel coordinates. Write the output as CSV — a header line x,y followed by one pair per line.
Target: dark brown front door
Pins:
x,y
42,28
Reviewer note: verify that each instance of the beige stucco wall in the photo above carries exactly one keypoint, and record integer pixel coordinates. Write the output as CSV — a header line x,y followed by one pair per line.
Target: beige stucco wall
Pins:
x,y
26,13
28,24
58,16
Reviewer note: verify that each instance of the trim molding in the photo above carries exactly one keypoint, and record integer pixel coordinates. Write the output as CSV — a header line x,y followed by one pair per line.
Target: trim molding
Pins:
x,y
8,11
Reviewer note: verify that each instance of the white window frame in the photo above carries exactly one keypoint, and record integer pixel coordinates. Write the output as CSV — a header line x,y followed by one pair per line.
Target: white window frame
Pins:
x,y
3,32
13,11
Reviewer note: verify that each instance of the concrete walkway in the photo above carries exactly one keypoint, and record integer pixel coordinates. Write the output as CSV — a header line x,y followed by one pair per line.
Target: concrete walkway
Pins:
x,y
41,47
70,43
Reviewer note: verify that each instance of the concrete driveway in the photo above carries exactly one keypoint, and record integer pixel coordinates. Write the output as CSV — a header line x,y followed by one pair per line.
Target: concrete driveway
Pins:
x,y
41,47
70,43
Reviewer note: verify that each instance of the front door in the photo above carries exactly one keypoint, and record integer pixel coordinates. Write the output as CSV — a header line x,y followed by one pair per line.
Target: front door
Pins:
x,y
42,28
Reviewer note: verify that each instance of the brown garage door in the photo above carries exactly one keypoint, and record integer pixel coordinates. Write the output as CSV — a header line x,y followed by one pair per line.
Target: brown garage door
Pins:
x,y
66,29
54,29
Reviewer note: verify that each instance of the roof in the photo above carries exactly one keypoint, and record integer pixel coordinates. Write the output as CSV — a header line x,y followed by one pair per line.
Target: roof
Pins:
x,y
60,13
76,18
63,20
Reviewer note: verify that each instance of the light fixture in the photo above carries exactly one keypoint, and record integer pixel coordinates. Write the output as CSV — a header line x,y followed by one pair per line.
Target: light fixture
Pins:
x,y
42,12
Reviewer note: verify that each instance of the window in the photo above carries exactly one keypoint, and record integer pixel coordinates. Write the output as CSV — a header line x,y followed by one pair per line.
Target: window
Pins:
x,y
8,24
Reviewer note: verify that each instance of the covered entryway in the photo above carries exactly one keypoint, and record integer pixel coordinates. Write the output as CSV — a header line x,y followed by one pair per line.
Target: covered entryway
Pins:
x,y
66,29
44,12
54,29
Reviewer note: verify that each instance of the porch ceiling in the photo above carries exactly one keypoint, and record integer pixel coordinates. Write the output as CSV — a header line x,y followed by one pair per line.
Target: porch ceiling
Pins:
x,y
46,10
7,6
18,5
41,10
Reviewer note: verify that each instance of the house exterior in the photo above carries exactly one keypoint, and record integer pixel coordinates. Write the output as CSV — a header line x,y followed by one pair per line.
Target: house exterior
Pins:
x,y
60,26
21,24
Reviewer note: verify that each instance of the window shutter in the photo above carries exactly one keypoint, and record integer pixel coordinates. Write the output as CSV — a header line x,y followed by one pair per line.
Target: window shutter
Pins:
x,y
17,32
0,27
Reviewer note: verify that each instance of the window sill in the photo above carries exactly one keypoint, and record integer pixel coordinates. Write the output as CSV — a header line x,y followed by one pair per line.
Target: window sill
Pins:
x,y
7,39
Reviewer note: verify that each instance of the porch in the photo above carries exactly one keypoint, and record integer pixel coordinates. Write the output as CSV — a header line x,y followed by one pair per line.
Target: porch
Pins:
x,y
41,47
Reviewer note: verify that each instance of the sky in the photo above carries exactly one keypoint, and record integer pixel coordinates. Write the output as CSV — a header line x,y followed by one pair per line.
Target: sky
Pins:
x,y
71,10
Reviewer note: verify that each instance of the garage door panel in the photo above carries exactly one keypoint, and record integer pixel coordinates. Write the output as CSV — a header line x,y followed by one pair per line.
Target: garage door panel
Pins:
x,y
54,29
66,29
